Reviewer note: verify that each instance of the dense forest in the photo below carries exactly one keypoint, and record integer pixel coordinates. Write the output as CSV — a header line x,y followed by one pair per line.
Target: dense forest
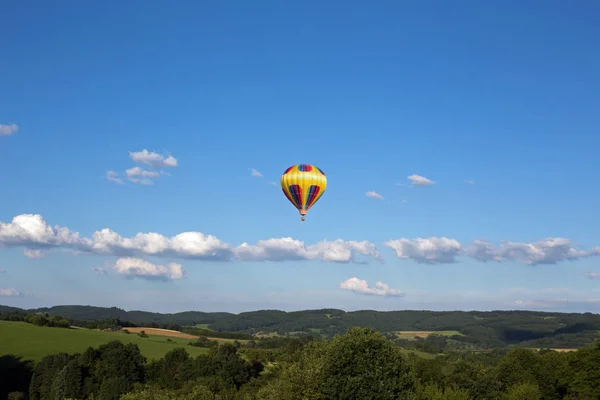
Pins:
x,y
474,330
360,364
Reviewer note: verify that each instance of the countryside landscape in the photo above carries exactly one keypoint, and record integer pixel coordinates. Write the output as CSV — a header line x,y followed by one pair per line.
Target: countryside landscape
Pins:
x,y
299,200
73,352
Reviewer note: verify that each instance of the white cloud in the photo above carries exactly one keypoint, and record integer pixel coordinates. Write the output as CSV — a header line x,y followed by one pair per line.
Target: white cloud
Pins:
x,y
100,271
404,201
33,254
141,176
470,182
374,195
361,286
255,173
37,236
7,130
418,180
153,159
546,251
283,249
112,176
431,250
592,275
33,232
445,250
529,303
136,267
10,292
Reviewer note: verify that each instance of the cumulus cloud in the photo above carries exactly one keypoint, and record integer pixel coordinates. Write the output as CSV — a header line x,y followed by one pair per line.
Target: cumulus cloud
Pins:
x,y
470,182
112,176
546,251
10,292
374,195
283,249
141,176
137,268
153,159
7,130
418,180
100,271
361,286
428,251
445,250
255,173
33,254
33,232
592,275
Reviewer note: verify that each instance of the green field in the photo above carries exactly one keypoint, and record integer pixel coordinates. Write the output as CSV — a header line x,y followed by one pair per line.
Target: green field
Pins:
x,y
34,342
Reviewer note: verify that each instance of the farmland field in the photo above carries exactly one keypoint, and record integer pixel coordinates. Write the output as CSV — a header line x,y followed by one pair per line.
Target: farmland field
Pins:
x,y
177,334
162,332
34,342
423,334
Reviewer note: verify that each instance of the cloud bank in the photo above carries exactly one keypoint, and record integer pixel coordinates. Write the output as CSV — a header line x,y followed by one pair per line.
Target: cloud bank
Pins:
x,y
33,233
435,250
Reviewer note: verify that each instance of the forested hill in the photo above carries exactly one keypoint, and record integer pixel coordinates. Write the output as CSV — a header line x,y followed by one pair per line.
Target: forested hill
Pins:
x,y
493,328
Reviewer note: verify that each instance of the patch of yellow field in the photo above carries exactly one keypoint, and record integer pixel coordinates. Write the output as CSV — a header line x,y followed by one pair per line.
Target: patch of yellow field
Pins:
x,y
424,334
161,332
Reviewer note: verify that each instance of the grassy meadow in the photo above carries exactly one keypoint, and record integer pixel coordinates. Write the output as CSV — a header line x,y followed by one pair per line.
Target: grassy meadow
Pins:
x,y
34,342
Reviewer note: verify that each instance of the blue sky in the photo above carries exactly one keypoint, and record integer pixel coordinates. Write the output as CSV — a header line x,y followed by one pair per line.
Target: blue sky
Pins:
x,y
503,95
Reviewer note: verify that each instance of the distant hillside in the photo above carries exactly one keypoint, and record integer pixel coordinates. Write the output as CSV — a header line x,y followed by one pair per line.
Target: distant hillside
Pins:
x,y
477,328
91,313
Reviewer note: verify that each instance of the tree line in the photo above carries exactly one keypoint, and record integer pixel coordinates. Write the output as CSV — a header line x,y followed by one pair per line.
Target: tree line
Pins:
x,y
360,364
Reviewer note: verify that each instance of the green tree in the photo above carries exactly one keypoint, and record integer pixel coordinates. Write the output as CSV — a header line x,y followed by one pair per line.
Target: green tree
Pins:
x,y
434,392
527,366
117,360
477,379
113,387
523,391
361,364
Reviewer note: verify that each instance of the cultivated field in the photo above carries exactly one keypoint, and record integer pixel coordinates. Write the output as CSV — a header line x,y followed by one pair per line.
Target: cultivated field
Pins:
x,y
162,332
563,350
34,342
177,334
423,334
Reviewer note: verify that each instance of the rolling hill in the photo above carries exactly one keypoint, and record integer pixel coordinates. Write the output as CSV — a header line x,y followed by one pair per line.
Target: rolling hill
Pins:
x,y
478,328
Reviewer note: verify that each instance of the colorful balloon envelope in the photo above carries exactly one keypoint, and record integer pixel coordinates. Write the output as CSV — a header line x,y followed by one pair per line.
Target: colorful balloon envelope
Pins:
x,y
303,185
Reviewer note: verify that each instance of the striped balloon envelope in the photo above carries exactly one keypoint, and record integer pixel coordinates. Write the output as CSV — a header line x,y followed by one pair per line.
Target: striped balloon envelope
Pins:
x,y
303,185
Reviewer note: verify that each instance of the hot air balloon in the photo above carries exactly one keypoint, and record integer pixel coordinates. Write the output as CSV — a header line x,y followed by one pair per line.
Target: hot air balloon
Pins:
x,y
303,185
